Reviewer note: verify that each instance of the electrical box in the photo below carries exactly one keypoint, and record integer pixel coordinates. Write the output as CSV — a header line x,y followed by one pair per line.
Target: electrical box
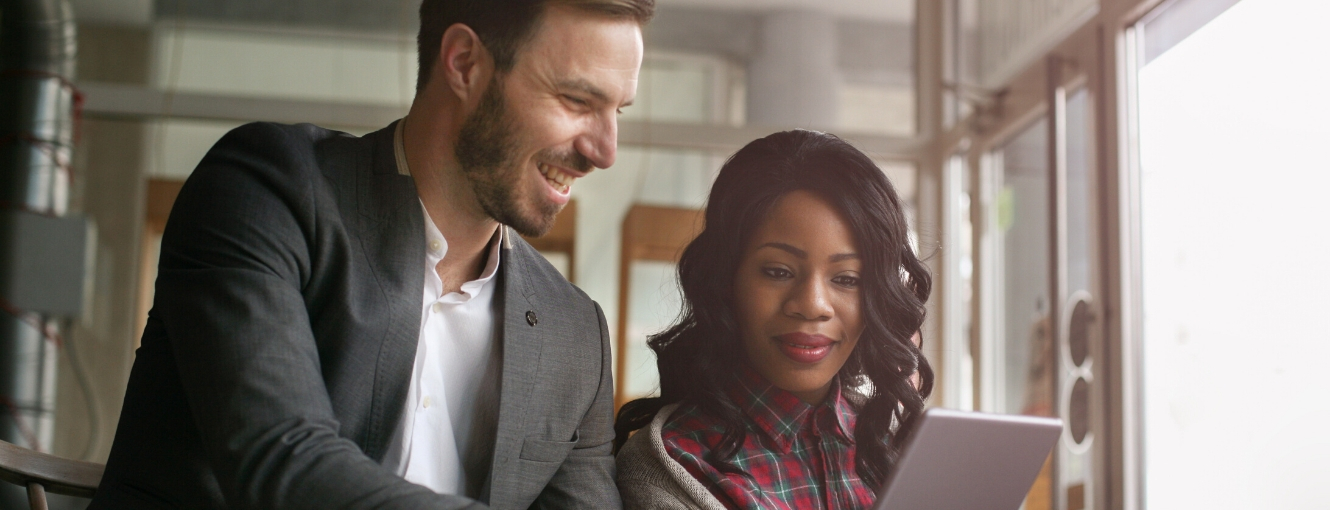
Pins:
x,y
45,261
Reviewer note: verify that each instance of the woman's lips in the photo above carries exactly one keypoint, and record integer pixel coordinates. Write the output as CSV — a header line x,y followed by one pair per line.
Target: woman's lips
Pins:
x,y
805,348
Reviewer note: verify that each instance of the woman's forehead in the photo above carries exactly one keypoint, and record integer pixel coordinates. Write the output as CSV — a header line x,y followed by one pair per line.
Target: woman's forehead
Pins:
x,y
804,222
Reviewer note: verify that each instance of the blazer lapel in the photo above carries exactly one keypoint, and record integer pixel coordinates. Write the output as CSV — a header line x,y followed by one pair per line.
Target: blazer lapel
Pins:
x,y
394,245
521,345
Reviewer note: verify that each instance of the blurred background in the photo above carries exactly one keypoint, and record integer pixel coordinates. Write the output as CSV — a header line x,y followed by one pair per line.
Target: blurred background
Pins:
x,y
1121,201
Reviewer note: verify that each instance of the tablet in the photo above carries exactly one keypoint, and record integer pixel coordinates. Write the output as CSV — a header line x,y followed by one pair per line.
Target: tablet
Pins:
x,y
958,460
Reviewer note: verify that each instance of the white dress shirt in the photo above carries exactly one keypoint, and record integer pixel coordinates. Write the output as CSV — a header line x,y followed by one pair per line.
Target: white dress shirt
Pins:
x,y
445,440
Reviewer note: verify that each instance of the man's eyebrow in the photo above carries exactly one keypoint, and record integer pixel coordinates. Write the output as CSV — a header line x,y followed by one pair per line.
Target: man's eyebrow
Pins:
x,y
804,255
587,88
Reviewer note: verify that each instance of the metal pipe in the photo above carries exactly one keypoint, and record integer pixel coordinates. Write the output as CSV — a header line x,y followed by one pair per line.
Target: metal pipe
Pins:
x,y
37,110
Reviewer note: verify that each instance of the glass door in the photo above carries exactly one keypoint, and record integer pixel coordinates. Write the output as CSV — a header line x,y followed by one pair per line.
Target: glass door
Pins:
x,y
1018,357
1039,277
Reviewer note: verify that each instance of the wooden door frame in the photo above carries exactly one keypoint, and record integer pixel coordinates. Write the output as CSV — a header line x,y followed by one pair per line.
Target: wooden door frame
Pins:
x,y
160,197
650,233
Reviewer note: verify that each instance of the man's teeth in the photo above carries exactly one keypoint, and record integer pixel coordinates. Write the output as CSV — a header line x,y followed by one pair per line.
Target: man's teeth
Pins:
x,y
561,180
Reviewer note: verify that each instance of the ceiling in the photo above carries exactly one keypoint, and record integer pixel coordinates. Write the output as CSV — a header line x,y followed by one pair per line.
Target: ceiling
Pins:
x,y
880,31
900,11
392,14
114,12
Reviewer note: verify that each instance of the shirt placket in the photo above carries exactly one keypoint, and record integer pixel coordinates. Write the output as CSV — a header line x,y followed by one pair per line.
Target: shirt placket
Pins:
x,y
819,462
840,490
425,386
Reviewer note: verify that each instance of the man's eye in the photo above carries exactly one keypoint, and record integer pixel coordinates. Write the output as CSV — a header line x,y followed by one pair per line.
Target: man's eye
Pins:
x,y
577,101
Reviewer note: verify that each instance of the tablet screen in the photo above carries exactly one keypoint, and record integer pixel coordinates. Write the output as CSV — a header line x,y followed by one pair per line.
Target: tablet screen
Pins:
x,y
958,460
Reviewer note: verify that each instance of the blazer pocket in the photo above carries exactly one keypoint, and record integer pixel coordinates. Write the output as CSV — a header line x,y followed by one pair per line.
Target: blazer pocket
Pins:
x,y
537,449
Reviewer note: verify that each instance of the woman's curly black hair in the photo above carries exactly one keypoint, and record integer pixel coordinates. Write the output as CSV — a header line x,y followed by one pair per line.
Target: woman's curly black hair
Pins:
x,y
698,355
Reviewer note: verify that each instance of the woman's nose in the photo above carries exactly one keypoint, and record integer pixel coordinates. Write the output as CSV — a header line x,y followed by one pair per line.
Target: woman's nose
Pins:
x,y
809,300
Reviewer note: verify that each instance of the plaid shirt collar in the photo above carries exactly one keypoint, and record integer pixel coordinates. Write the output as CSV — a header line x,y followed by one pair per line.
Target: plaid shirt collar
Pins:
x,y
781,416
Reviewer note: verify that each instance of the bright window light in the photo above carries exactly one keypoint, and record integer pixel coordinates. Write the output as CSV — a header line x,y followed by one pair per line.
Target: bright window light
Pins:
x,y
1236,273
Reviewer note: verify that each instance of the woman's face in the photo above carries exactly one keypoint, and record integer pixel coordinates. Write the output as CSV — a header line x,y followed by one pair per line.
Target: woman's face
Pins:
x,y
797,296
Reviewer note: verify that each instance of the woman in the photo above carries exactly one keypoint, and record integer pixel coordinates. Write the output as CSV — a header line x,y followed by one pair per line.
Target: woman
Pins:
x,y
791,362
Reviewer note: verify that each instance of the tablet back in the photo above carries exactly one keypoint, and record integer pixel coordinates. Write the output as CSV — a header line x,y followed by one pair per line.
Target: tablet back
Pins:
x,y
958,460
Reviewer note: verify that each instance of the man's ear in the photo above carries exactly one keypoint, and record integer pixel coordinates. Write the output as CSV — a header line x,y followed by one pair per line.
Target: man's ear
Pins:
x,y
465,63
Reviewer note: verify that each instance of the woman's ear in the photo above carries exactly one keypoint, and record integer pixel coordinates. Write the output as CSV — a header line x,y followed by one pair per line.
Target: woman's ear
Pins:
x,y
464,62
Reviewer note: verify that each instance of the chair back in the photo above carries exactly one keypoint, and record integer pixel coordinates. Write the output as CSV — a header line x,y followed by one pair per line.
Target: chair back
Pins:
x,y
41,473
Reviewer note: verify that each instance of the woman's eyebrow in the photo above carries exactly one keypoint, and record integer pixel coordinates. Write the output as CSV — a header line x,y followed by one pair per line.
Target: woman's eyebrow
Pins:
x,y
787,248
804,255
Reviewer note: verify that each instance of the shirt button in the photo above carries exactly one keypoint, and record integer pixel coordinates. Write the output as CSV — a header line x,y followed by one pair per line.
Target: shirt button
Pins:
x,y
425,403
435,246
437,308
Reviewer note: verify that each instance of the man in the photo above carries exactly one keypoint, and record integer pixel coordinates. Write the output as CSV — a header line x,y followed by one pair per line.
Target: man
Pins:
x,y
289,361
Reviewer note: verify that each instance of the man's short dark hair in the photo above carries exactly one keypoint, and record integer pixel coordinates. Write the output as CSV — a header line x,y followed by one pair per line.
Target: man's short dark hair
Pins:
x,y
504,26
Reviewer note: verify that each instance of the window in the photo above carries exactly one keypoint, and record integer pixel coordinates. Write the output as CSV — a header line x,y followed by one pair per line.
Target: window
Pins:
x,y
1232,244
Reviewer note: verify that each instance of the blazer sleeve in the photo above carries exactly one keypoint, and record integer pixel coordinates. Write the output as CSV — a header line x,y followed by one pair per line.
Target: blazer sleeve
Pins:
x,y
586,477
235,257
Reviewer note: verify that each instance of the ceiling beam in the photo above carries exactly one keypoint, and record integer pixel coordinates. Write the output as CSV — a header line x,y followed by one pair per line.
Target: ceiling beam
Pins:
x,y
108,100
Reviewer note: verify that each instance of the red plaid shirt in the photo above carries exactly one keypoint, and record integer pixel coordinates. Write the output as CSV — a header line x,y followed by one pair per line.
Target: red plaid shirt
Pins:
x,y
794,455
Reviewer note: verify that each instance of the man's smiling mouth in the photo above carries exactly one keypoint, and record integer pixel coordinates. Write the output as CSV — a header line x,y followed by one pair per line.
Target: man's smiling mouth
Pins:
x,y
560,180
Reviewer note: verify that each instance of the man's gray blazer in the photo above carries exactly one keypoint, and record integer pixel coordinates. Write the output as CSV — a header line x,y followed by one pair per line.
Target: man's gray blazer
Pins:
x,y
274,368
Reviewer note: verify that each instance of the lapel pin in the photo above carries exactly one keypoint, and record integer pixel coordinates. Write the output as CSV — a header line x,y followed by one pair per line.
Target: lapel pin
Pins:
x,y
531,318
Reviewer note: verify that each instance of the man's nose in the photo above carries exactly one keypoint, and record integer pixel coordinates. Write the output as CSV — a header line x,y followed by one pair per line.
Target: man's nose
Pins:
x,y
600,143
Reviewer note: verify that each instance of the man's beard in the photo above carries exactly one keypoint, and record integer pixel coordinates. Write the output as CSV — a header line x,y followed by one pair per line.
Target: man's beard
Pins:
x,y
487,149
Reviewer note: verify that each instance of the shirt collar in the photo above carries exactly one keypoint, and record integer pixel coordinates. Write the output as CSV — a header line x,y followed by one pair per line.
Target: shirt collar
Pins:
x,y
781,416
491,263
399,148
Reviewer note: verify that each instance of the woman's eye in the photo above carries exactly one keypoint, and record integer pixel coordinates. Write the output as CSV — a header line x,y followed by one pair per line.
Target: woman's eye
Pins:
x,y
846,281
778,273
